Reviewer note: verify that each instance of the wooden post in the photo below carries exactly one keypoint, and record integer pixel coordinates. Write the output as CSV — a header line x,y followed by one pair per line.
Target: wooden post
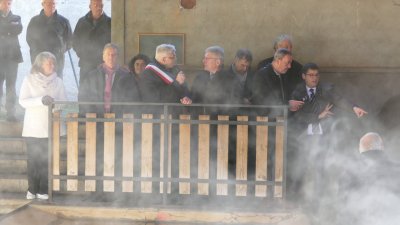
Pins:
x,y
261,156
127,153
279,157
162,137
222,155
72,152
204,155
147,153
109,152
184,154
241,155
56,150
90,152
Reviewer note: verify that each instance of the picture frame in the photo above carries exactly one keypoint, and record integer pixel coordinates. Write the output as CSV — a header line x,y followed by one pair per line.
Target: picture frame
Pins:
x,y
149,41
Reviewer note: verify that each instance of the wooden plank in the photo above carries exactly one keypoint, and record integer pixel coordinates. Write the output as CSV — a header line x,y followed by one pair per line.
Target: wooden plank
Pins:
x,y
147,153
242,140
90,152
109,152
72,152
56,150
172,216
261,156
169,150
127,152
279,157
222,155
204,155
184,154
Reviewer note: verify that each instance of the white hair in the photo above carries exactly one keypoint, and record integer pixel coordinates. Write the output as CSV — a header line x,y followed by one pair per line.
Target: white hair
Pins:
x,y
370,141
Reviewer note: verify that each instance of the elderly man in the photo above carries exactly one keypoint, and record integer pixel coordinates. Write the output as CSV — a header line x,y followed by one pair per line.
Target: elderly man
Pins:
x,y
91,33
162,81
213,85
270,84
103,84
49,31
293,74
10,54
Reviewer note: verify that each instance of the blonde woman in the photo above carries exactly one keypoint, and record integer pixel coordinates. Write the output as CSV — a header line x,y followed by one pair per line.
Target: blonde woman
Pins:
x,y
39,89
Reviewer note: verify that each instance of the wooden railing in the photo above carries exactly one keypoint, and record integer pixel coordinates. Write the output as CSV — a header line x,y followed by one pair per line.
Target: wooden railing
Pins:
x,y
169,155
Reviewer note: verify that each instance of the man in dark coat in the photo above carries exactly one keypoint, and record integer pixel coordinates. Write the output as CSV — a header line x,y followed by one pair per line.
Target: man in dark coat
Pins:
x,y
10,54
51,32
293,74
213,85
95,89
271,85
91,33
162,81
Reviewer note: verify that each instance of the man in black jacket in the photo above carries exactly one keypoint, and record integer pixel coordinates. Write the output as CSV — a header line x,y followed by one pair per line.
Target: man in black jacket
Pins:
x,y
91,33
162,81
10,54
51,32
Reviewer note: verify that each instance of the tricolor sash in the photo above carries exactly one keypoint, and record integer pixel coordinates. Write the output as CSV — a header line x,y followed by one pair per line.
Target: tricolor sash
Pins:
x,y
163,75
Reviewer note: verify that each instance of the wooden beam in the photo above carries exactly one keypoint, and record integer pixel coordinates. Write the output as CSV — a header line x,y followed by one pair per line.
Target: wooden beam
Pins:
x,y
56,150
147,153
184,154
128,152
90,152
279,157
241,155
222,155
261,156
109,152
204,155
72,152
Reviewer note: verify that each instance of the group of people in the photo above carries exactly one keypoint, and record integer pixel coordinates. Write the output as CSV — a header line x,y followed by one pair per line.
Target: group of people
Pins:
x,y
50,37
277,80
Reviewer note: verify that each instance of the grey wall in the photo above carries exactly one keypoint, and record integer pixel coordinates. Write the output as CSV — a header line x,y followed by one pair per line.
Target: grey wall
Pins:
x,y
341,33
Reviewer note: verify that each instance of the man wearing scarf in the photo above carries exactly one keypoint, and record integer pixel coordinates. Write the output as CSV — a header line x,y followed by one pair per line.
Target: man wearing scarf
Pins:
x,y
103,84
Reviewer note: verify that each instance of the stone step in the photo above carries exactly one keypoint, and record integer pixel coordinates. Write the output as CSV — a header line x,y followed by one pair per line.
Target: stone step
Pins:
x,y
12,146
13,183
13,166
10,129
9,203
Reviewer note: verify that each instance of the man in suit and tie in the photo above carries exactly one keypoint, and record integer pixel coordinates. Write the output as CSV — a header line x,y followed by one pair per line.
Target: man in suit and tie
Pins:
x,y
315,108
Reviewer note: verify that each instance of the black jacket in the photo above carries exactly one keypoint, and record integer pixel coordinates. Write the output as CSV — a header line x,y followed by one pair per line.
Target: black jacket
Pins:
x,y
89,39
10,28
325,94
92,90
157,90
223,88
52,34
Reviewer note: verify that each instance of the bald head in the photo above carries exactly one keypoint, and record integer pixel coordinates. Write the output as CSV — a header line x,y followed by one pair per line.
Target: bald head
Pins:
x,y
370,141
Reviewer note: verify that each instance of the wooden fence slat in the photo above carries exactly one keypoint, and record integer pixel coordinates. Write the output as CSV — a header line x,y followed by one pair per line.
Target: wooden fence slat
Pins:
x,y
279,157
147,153
169,150
127,153
241,155
184,154
56,150
261,156
222,155
109,152
90,152
72,152
204,155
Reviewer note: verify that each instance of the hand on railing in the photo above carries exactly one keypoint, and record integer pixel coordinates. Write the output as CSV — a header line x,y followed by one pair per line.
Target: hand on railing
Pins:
x,y
47,100
186,101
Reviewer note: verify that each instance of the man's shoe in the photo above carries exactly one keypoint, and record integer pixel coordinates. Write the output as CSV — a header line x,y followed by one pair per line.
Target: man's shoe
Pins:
x,y
42,196
30,196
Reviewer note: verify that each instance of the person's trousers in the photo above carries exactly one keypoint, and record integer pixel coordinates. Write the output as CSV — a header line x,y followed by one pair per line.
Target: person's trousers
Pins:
x,y
8,73
37,150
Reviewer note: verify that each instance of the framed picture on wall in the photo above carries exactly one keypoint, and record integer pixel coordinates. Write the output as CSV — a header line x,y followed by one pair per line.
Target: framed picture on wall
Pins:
x,y
149,41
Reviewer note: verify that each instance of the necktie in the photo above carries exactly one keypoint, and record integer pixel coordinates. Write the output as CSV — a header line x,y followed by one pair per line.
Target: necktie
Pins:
x,y
312,94
107,93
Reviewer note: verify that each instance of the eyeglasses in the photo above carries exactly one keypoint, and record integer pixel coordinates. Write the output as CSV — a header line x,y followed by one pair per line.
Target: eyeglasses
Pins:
x,y
312,75
207,58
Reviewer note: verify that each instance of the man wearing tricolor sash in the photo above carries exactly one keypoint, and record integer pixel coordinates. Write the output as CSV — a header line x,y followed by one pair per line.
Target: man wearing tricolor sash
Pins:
x,y
161,81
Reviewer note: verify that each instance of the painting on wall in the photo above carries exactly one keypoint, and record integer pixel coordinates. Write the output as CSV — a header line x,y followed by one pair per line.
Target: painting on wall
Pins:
x,y
149,41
